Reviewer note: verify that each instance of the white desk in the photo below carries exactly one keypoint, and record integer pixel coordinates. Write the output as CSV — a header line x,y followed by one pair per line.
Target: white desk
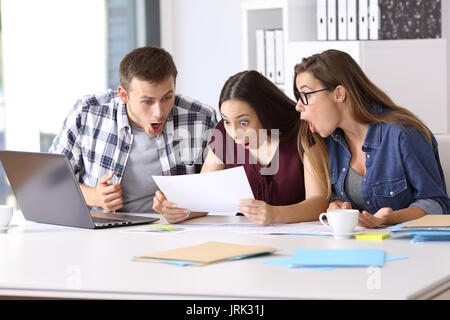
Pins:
x,y
38,260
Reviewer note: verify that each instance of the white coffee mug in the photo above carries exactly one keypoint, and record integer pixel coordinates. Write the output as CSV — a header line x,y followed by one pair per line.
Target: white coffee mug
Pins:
x,y
6,213
342,222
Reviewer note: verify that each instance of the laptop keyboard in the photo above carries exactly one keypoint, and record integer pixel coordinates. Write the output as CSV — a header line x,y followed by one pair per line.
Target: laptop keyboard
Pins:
x,y
106,221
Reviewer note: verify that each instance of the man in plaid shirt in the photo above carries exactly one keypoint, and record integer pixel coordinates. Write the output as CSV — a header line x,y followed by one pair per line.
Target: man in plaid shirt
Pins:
x,y
116,140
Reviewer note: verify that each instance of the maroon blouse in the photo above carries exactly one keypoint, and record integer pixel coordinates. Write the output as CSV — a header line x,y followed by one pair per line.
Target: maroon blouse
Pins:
x,y
285,187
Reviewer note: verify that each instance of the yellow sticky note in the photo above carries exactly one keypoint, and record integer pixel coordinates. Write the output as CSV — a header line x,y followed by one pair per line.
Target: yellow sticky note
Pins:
x,y
163,227
373,236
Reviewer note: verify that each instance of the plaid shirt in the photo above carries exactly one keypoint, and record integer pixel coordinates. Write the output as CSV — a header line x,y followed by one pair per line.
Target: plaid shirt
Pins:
x,y
96,137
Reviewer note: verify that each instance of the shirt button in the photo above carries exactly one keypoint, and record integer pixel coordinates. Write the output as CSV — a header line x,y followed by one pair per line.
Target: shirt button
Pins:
x,y
368,156
343,169
391,193
364,179
368,202
342,193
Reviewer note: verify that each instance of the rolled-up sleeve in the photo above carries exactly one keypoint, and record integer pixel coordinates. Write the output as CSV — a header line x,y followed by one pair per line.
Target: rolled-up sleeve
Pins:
x,y
424,171
428,205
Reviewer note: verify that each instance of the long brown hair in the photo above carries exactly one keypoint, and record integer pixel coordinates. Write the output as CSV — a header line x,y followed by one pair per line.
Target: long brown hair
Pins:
x,y
274,109
333,68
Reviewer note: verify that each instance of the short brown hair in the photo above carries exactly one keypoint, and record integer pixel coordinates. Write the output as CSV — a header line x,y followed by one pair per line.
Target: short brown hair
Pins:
x,y
148,63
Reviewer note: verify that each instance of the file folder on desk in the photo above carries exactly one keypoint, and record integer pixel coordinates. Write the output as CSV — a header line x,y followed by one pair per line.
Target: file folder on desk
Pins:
x,y
331,20
321,19
363,19
206,253
432,227
342,19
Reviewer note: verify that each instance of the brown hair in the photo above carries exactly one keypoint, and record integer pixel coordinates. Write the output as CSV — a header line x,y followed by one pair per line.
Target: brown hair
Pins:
x,y
274,109
148,63
333,68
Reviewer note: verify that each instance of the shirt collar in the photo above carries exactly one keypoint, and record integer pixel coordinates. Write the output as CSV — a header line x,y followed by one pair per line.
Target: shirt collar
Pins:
x,y
373,135
122,117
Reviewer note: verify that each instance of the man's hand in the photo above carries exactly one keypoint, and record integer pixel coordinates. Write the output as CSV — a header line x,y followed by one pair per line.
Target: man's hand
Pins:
x,y
107,196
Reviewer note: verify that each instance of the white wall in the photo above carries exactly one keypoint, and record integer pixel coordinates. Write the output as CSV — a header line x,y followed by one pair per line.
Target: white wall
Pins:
x,y
190,26
53,53
205,39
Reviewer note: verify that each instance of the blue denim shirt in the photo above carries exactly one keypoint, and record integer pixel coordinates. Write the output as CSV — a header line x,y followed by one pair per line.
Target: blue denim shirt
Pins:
x,y
402,169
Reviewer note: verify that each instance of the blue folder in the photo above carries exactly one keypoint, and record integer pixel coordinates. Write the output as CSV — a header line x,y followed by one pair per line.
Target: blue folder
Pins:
x,y
324,259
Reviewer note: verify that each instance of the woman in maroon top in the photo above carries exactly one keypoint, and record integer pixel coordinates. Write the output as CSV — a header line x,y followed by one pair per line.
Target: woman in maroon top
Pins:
x,y
259,130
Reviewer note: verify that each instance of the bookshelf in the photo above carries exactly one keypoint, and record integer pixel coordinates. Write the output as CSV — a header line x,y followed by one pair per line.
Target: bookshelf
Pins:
x,y
412,72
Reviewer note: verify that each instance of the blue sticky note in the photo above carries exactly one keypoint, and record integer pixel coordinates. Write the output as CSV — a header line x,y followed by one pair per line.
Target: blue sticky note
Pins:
x,y
338,258
288,262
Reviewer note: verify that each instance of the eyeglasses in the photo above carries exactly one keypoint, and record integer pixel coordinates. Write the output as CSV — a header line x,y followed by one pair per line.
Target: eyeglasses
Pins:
x,y
303,96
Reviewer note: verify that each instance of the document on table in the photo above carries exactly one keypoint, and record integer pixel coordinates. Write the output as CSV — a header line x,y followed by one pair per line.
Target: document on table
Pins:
x,y
218,191
302,228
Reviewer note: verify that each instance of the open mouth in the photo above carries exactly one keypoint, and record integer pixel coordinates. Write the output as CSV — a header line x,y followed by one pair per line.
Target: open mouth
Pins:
x,y
246,145
156,126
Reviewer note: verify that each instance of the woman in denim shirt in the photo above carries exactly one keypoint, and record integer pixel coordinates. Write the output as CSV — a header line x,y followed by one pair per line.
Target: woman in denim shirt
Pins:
x,y
382,159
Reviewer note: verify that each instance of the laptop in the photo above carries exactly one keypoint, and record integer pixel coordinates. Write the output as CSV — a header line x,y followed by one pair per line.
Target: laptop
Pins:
x,y
48,192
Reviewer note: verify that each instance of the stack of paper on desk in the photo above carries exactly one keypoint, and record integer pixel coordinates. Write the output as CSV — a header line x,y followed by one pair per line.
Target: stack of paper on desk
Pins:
x,y
431,227
205,253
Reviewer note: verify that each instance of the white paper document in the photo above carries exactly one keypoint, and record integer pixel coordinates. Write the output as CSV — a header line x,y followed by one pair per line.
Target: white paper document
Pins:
x,y
304,228
218,191
313,228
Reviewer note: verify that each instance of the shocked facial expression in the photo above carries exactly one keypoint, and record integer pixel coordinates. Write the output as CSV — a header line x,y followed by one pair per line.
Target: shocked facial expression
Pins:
x,y
319,107
241,123
149,103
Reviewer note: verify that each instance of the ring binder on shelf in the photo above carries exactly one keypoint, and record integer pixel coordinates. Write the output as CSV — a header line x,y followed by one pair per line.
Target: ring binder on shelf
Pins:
x,y
363,20
260,52
331,20
321,19
279,57
352,20
342,19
